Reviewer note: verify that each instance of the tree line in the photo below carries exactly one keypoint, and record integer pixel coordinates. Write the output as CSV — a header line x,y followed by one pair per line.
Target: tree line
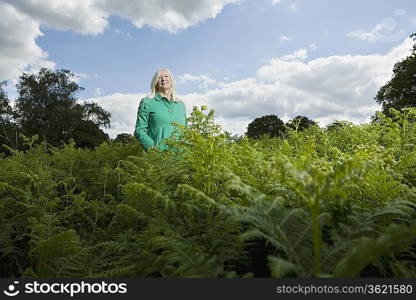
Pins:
x,y
47,106
397,93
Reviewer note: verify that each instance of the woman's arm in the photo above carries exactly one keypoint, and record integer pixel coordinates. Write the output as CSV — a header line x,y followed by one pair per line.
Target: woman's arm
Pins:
x,y
142,126
184,111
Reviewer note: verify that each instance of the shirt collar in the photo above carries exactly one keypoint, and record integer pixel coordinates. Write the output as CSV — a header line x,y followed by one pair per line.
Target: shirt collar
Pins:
x,y
160,97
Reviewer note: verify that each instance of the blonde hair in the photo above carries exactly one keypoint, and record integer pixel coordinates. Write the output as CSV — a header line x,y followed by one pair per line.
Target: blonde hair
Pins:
x,y
172,91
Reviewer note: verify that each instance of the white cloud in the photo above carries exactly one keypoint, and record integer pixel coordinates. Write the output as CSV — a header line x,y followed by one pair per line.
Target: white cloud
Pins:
x,y
123,108
300,54
274,2
82,16
284,38
21,21
78,77
204,80
90,16
18,49
170,16
338,87
293,6
383,32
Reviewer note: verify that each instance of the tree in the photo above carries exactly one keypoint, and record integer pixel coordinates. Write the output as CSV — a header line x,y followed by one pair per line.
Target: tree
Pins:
x,y
300,123
400,91
125,138
338,124
47,106
270,125
8,130
5,108
236,138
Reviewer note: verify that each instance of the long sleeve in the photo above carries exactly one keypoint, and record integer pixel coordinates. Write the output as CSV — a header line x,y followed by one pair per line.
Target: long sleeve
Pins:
x,y
186,121
142,126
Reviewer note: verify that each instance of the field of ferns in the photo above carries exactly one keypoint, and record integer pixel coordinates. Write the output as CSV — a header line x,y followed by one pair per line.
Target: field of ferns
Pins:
x,y
334,202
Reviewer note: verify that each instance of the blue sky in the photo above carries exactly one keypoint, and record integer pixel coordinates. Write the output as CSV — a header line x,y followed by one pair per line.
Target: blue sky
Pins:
x,y
323,59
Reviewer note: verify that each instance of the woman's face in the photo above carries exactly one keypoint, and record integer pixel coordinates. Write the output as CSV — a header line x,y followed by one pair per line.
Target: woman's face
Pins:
x,y
164,82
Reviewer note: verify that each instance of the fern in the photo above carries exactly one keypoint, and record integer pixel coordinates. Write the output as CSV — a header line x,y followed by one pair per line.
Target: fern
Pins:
x,y
367,249
50,253
341,198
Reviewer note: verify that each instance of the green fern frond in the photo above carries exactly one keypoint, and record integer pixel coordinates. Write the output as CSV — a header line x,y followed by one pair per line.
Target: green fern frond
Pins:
x,y
145,199
48,253
367,249
280,267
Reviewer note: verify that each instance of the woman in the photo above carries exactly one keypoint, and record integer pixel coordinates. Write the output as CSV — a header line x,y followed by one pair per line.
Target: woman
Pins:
x,y
157,112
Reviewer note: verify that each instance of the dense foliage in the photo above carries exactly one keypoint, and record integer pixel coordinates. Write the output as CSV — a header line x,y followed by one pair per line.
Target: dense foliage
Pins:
x,y
400,91
7,127
269,125
332,203
47,106
300,123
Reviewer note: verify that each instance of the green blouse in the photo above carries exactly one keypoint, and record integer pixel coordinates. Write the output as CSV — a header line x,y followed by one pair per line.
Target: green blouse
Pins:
x,y
154,120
